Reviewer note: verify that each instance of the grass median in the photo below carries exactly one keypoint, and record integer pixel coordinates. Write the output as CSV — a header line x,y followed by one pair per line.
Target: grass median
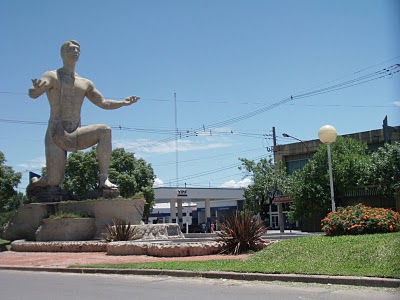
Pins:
x,y
375,255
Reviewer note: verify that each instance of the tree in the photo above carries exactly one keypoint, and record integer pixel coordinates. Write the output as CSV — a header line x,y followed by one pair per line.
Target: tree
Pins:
x,y
132,175
311,186
81,172
15,201
385,169
269,181
9,180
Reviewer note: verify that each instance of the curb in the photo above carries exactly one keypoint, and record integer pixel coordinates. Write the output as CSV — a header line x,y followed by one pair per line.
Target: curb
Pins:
x,y
321,279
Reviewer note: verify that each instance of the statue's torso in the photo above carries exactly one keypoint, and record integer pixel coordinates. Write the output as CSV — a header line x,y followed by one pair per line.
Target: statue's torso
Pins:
x,y
66,96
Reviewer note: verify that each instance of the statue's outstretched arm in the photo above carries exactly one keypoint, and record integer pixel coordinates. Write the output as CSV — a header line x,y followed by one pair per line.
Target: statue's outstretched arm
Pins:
x,y
39,86
97,98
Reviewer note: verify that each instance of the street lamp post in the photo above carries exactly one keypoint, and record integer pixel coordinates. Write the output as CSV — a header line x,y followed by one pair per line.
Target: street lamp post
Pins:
x,y
308,158
305,145
327,134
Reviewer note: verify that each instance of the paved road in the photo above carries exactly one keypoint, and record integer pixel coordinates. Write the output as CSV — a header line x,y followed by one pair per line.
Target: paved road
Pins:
x,y
41,285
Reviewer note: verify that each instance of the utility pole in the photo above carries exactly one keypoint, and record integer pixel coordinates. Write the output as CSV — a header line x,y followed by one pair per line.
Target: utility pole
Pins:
x,y
281,218
274,138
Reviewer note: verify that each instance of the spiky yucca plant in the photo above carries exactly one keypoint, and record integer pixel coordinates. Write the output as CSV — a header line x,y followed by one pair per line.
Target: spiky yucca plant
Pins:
x,y
120,230
241,233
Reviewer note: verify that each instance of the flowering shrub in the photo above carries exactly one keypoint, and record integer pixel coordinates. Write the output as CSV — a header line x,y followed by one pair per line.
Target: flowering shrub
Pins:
x,y
360,219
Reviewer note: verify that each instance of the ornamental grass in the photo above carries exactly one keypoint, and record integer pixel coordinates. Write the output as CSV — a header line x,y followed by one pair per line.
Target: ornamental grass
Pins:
x,y
241,233
361,219
120,230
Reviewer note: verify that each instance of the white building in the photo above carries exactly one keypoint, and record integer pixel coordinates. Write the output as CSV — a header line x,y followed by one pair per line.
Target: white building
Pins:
x,y
194,206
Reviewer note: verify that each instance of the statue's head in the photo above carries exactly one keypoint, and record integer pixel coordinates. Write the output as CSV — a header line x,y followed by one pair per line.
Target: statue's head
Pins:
x,y
70,50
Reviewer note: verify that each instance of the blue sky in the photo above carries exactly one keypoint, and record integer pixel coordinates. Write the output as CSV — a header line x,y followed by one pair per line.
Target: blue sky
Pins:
x,y
230,63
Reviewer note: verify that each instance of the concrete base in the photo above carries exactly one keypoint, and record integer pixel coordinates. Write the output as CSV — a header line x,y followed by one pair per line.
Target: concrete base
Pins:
x,y
68,229
28,218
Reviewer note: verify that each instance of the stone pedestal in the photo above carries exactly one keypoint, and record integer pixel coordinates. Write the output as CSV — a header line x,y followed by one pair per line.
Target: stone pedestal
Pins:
x,y
57,194
48,194
100,193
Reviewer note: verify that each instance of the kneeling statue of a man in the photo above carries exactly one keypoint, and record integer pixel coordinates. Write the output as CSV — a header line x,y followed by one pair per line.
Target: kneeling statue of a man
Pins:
x,y
66,91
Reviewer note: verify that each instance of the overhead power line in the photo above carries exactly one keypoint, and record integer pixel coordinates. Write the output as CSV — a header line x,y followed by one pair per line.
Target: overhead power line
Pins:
x,y
233,102
383,73
217,170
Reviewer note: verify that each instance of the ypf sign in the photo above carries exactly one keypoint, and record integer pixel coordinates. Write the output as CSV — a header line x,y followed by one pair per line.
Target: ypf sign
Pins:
x,y
182,193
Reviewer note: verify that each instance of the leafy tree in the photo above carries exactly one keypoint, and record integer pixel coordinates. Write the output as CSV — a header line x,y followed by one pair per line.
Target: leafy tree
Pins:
x,y
269,180
132,175
81,172
15,201
385,169
311,185
9,180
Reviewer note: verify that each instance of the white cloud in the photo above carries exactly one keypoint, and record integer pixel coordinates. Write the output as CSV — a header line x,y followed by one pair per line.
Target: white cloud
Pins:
x,y
34,164
396,103
237,184
147,146
158,183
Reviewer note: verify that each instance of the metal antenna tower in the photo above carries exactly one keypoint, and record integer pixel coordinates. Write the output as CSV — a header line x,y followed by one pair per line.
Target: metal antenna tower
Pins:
x,y
176,143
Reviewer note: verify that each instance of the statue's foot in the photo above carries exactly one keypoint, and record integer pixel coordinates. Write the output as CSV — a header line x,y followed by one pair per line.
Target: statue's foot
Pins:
x,y
37,182
106,184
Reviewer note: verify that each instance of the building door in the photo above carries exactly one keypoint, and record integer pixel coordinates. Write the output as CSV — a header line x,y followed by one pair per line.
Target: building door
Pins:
x,y
274,221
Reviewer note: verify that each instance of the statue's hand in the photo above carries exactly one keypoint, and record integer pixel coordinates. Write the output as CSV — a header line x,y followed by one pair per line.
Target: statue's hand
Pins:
x,y
38,84
130,100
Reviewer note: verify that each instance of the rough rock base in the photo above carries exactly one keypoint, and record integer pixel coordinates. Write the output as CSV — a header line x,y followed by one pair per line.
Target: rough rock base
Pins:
x,y
172,248
164,249
159,231
81,246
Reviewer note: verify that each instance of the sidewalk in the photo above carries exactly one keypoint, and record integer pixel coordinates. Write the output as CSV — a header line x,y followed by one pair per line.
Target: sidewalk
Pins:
x,y
65,259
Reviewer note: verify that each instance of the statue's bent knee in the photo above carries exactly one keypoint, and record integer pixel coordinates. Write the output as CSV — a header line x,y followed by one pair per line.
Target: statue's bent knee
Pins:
x,y
104,130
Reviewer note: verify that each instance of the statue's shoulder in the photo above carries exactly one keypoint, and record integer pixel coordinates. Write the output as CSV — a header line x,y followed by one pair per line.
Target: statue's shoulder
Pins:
x,y
87,82
50,74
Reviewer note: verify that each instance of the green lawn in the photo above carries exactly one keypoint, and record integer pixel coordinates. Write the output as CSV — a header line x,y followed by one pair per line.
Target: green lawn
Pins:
x,y
375,255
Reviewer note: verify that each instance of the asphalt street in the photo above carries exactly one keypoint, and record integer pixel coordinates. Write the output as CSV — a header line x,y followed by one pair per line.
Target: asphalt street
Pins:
x,y
42,285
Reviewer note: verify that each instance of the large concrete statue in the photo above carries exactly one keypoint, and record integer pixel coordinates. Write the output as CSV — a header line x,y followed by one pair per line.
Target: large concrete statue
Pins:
x,y
66,91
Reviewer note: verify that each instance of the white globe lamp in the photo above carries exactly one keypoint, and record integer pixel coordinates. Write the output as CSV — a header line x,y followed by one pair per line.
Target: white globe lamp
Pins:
x,y
327,134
